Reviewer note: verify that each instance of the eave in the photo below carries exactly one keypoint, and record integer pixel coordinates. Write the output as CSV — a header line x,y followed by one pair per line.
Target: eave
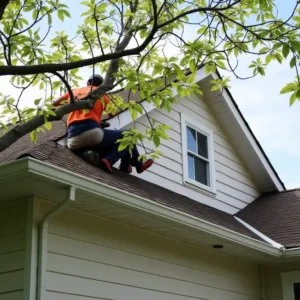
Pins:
x,y
36,178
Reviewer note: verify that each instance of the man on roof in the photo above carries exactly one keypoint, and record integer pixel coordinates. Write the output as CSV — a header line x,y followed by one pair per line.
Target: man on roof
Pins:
x,y
85,133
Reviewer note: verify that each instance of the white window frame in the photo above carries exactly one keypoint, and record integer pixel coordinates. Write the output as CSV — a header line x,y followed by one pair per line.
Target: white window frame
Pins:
x,y
187,121
288,279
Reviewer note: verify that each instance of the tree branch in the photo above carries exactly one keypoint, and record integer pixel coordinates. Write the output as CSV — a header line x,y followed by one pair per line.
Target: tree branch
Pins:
x,y
20,130
62,78
3,4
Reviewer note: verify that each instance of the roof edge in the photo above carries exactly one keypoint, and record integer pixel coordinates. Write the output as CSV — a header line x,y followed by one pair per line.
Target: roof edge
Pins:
x,y
54,173
251,133
260,234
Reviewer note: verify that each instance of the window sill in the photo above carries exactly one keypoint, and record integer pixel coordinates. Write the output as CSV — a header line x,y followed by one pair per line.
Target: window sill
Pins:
x,y
200,188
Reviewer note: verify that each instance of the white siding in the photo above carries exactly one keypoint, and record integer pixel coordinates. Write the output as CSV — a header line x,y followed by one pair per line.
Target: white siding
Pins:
x,y
272,279
235,188
12,250
93,258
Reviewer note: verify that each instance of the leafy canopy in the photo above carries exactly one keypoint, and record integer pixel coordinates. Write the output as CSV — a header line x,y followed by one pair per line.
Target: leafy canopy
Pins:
x,y
150,47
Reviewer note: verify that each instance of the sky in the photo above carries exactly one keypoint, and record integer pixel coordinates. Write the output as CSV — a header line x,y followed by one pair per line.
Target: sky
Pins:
x,y
275,124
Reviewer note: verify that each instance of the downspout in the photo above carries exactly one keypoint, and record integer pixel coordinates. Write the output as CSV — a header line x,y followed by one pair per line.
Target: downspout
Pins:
x,y
262,283
43,241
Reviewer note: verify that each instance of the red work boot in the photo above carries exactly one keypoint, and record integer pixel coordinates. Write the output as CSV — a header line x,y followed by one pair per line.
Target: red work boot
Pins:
x,y
145,165
105,165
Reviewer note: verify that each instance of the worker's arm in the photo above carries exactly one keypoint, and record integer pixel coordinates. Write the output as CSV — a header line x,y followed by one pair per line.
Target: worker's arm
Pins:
x,y
58,101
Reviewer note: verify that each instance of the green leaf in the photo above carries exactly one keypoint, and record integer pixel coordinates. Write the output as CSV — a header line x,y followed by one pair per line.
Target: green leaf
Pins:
x,y
60,15
48,125
269,57
122,146
295,45
288,88
293,99
193,65
296,19
285,50
49,16
156,140
66,13
37,101
33,136
293,62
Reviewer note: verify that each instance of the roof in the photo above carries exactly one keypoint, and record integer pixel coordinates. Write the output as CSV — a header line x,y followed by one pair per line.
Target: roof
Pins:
x,y
49,151
277,216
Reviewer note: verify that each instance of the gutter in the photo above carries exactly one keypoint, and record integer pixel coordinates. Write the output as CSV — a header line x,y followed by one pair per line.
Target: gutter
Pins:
x,y
30,165
43,241
291,253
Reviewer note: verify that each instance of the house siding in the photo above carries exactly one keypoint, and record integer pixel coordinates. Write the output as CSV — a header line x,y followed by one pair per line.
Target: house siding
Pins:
x,y
234,185
272,278
94,258
12,250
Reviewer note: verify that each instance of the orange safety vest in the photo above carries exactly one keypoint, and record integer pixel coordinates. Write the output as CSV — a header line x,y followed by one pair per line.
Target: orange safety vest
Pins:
x,y
94,114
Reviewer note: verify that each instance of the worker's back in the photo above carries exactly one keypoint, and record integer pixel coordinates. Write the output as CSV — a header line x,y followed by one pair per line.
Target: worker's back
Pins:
x,y
91,114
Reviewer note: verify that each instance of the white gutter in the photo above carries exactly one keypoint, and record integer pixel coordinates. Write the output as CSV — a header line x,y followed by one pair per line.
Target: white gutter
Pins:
x,y
294,252
122,197
260,234
43,241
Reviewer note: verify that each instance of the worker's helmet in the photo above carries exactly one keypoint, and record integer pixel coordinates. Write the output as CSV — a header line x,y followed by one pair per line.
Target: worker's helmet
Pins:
x,y
96,79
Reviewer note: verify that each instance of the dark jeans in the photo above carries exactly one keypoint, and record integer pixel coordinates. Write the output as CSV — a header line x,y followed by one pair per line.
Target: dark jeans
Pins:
x,y
108,149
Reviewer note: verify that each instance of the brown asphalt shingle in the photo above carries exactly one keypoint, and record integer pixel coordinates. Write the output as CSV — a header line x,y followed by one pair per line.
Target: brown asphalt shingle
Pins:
x,y
48,151
61,156
25,145
276,215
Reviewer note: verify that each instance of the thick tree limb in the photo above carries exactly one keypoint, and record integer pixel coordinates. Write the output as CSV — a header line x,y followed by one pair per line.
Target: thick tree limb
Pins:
x,y
3,4
51,68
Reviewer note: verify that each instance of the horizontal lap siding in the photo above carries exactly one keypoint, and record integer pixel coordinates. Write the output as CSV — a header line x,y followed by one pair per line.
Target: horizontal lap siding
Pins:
x,y
235,188
12,250
94,258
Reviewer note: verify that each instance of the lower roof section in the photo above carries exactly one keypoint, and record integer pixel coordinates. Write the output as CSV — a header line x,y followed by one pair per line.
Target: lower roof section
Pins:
x,y
277,216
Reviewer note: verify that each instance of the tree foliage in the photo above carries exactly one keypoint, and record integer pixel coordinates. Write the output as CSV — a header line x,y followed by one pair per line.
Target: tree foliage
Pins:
x,y
150,47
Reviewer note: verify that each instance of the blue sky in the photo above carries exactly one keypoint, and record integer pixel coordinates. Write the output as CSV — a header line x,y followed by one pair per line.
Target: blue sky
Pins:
x,y
273,121
275,124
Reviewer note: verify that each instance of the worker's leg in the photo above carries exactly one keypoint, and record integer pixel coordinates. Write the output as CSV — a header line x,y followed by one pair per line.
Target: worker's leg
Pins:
x,y
110,146
81,144
89,138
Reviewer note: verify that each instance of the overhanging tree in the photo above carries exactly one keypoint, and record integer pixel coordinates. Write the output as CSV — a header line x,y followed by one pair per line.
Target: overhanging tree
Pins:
x,y
131,41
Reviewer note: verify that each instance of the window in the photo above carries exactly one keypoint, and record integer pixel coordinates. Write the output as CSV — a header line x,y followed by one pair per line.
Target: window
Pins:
x,y
197,148
291,285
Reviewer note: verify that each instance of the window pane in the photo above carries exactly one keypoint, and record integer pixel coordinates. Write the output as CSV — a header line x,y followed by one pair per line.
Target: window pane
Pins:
x,y
202,145
201,171
191,139
191,167
297,290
